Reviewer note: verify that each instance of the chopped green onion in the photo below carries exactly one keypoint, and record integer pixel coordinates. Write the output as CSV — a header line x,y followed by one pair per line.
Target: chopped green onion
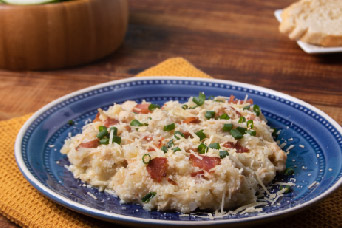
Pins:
x,y
170,143
200,134
236,134
199,100
150,118
164,148
209,114
223,154
250,124
102,132
167,146
256,109
116,139
102,128
185,106
227,127
115,130
104,141
287,188
193,107
170,127
251,132
246,108
176,149
242,130
137,123
219,101
202,148
146,158
289,171
71,122
148,197
214,146
178,133
242,119
224,116
275,133
152,107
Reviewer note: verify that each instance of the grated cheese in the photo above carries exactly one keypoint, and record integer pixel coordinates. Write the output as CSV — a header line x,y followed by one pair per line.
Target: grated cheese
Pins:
x,y
313,184
92,195
284,183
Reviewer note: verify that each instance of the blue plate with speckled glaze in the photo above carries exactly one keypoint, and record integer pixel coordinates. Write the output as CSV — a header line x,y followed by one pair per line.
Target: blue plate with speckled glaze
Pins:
x,y
312,138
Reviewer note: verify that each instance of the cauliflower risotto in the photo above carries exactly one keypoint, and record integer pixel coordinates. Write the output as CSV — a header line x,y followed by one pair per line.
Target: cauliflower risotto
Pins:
x,y
206,153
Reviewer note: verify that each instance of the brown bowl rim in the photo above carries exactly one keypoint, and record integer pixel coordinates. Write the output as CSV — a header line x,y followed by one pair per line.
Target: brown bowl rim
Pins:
x,y
4,6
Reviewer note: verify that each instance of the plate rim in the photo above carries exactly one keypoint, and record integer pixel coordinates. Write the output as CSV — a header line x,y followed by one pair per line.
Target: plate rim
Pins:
x,y
111,216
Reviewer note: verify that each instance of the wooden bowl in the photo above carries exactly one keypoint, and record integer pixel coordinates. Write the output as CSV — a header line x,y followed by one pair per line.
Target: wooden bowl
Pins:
x,y
51,36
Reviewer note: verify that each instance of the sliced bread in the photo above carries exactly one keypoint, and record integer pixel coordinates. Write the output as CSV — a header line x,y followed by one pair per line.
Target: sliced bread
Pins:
x,y
316,22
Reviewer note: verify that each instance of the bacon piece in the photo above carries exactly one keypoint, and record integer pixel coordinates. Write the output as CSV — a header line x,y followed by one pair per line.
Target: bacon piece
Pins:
x,y
229,145
237,112
205,163
241,149
198,173
171,181
128,128
223,111
187,134
159,143
91,144
191,120
110,122
250,101
237,146
220,112
97,117
148,138
157,168
193,149
251,117
142,108
125,163
233,100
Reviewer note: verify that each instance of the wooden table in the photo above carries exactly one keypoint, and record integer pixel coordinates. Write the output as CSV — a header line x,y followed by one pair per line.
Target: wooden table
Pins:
x,y
235,40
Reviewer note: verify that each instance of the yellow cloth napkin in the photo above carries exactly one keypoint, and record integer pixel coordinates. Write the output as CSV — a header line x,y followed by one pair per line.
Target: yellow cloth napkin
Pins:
x,y
24,205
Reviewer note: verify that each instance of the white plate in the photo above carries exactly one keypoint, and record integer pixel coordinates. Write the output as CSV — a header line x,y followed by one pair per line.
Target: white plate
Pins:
x,y
309,48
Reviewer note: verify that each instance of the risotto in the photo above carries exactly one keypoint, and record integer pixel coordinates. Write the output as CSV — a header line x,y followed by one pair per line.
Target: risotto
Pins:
x,y
207,153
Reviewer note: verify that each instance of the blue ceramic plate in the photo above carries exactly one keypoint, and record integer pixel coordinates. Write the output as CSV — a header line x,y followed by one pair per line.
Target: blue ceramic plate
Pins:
x,y
314,137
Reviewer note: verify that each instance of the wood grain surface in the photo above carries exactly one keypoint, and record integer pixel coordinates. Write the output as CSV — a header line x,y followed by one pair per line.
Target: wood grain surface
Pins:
x,y
50,36
235,40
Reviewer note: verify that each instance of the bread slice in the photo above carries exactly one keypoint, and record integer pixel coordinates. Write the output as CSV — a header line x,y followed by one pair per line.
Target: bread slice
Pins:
x,y
316,22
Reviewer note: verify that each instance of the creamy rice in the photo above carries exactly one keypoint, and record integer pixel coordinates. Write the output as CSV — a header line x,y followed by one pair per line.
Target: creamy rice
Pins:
x,y
166,169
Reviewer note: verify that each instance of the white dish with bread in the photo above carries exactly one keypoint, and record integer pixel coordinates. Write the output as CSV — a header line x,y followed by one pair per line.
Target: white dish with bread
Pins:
x,y
314,24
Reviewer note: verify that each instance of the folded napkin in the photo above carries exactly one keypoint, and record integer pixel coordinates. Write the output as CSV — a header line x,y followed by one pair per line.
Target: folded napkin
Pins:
x,y
24,205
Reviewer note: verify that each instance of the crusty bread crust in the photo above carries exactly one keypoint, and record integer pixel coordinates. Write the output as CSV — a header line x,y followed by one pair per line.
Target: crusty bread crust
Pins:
x,y
316,22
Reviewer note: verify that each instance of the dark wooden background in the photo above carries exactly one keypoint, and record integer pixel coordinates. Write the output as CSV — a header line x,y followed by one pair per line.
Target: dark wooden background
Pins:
x,y
228,39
